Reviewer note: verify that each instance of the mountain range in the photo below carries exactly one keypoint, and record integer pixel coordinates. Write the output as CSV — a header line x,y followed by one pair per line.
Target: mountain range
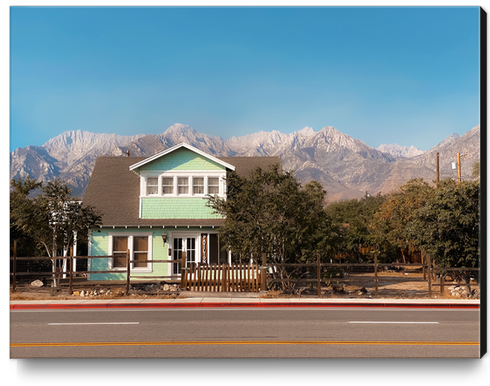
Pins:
x,y
346,167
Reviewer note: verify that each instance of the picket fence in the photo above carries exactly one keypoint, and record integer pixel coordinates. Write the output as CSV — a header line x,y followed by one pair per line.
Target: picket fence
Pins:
x,y
223,278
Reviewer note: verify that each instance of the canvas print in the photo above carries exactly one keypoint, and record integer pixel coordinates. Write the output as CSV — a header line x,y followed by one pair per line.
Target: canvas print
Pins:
x,y
246,182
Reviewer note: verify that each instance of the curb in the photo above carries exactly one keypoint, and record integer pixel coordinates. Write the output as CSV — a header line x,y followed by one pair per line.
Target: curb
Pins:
x,y
243,305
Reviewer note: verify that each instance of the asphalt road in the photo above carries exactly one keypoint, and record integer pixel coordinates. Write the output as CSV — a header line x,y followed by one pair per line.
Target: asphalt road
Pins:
x,y
245,333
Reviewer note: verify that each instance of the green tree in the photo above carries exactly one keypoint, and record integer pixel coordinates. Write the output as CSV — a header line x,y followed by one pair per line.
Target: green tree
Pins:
x,y
52,218
448,227
350,220
22,212
271,213
389,224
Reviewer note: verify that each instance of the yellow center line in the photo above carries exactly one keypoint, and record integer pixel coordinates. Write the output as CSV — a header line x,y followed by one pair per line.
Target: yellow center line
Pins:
x,y
247,342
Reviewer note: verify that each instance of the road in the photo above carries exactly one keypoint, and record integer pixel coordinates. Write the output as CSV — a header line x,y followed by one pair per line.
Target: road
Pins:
x,y
245,333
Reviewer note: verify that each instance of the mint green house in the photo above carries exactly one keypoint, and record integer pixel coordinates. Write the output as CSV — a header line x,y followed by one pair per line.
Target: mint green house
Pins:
x,y
155,207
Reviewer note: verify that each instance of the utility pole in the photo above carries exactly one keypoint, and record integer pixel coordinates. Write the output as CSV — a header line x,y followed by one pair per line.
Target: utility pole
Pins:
x,y
460,157
459,168
437,166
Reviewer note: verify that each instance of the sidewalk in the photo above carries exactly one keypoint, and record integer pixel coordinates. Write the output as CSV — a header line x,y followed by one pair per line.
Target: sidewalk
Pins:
x,y
240,302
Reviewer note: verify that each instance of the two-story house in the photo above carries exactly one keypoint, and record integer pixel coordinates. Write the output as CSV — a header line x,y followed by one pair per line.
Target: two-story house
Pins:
x,y
155,207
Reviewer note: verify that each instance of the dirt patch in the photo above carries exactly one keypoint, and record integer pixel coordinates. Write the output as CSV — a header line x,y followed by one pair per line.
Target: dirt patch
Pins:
x,y
393,285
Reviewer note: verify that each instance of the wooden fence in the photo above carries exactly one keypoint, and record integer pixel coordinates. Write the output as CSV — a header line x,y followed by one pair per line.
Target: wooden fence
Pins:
x,y
70,274
224,278
429,273
231,278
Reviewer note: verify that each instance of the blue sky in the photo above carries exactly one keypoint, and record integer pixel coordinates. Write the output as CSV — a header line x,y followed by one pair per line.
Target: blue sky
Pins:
x,y
382,74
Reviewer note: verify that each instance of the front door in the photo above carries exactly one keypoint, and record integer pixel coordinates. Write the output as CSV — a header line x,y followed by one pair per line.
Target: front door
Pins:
x,y
184,246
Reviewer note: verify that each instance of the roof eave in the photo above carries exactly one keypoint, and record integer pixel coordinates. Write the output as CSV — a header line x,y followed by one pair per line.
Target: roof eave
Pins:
x,y
176,147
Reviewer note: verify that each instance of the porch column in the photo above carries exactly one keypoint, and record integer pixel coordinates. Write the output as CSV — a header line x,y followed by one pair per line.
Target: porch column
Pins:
x,y
74,251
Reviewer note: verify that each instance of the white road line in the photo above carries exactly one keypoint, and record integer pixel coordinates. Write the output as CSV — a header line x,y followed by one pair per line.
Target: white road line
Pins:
x,y
71,324
395,322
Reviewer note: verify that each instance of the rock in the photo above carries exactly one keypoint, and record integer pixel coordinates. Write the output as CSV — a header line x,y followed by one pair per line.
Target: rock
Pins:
x,y
166,287
37,283
82,294
362,291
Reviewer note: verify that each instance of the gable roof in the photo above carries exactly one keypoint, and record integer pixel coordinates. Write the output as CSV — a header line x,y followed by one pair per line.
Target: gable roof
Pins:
x,y
114,190
176,147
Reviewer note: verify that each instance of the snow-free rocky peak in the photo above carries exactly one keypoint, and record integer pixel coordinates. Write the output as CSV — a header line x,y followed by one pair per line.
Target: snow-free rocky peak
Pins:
x,y
345,166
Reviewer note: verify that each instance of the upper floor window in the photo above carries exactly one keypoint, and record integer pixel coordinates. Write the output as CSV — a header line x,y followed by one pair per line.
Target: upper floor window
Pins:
x,y
183,185
152,185
167,185
213,185
198,185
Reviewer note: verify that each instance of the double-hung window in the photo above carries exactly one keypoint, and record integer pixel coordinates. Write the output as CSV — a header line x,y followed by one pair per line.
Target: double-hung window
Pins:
x,y
140,251
139,247
119,251
198,185
152,185
213,185
183,185
167,185
174,185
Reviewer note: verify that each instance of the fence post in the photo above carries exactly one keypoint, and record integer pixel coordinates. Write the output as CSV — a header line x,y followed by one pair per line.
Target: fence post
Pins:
x,y
263,273
70,286
375,274
183,272
183,278
14,267
318,275
128,269
441,282
429,273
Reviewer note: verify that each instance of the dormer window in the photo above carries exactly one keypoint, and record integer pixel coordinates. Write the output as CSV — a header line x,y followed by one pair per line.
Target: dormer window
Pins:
x,y
152,186
198,185
167,185
213,185
183,185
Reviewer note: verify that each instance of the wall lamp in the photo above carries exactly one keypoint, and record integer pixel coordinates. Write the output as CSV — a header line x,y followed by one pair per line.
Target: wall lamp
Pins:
x,y
164,238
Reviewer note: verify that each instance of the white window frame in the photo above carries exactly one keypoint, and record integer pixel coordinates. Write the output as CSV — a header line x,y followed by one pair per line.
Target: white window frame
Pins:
x,y
161,185
130,236
218,185
158,193
190,175
189,185
204,180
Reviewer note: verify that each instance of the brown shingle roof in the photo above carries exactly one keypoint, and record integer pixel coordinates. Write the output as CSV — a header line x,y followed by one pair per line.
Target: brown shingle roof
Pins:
x,y
114,190
245,165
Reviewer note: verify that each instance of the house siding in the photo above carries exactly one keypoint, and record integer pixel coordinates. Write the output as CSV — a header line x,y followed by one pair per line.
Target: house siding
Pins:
x,y
182,159
176,208
100,247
